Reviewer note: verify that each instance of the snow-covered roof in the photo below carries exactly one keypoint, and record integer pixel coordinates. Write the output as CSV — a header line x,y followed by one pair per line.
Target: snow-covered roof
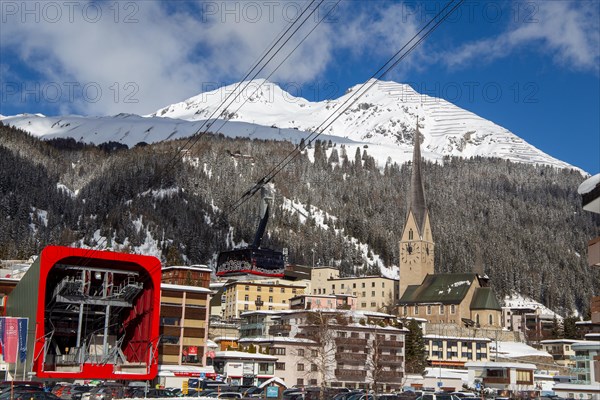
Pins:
x,y
516,349
185,288
273,380
518,301
492,364
555,341
589,184
276,339
477,339
226,338
242,355
447,373
195,267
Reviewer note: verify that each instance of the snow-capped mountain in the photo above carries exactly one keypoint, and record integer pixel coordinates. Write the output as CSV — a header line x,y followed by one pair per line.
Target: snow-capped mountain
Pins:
x,y
384,119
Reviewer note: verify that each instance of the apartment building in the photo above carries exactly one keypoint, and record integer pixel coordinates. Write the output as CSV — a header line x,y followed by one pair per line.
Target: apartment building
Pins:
x,y
450,351
242,296
373,293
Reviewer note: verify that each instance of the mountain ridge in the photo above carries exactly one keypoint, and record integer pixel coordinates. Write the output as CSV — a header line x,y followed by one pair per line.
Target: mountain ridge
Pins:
x,y
383,119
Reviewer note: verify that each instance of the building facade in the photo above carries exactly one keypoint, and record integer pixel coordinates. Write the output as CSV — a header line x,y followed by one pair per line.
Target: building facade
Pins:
x,y
373,293
455,352
242,296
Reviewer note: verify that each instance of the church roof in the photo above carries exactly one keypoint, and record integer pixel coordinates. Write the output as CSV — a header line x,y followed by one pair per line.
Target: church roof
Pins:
x,y
484,298
439,288
417,191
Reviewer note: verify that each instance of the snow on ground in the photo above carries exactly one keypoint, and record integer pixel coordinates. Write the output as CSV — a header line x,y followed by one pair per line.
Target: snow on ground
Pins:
x,y
516,300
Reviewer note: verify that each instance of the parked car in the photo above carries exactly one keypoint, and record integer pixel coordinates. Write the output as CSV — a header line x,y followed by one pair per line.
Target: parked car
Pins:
x,y
28,395
437,396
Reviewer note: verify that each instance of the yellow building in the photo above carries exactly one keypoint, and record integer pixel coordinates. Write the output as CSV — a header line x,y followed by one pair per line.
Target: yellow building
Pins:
x,y
373,293
454,352
243,296
184,316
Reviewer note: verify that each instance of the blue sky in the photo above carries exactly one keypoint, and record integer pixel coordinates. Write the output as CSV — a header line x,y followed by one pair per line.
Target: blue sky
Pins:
x,y
530,66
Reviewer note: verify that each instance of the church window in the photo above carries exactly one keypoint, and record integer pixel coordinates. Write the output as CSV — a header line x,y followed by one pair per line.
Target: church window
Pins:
x,y
405,310
410,234
452,309
491,319
428,310
416,310
477,319
442,309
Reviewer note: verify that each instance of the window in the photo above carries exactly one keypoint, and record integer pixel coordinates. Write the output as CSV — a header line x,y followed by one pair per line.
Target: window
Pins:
x,y
382,294
333,287
270,299
363,285
382,284
293,291
300,353
300,367
405,310
258,288
246,288
428,310
342,334
313,382
342,285
373,304
282,290
246,298
442,308
416,310
258,298
372,284
491,320
313,367
523,376
314,353
452,309
373,293
280,366
270,307
245,307
278,351
364,294
363,305
410,234
354,285
300,382
270,289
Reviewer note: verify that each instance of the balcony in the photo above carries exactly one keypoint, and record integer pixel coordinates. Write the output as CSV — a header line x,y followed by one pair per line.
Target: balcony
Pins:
x,y
350,374
350,341
496,379
391,360
390,343
358,358
282,329
594,252
390,376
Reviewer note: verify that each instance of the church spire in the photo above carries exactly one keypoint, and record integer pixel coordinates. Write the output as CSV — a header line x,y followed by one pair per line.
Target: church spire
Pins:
x,y
417,191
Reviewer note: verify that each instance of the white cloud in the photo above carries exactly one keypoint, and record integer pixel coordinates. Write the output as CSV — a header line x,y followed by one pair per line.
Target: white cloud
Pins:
x,y
568,31
144,55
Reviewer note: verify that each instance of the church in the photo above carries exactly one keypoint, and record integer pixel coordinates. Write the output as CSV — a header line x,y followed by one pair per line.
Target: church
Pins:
x,y
451,298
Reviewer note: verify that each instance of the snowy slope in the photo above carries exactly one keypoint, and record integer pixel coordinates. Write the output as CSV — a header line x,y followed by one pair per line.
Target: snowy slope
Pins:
x,y
384,119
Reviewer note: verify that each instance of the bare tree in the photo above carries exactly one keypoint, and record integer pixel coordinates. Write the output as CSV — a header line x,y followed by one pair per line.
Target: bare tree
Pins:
x,y
320,327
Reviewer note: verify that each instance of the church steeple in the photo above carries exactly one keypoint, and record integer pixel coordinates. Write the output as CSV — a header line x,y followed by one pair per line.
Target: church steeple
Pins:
x,y
416,243
417,191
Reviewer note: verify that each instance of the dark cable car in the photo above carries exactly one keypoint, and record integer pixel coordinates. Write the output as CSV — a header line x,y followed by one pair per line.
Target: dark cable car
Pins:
x,y
253,259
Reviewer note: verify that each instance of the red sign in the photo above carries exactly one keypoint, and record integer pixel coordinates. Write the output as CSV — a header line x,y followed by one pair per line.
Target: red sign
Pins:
x,y
211,354
11,340
193,351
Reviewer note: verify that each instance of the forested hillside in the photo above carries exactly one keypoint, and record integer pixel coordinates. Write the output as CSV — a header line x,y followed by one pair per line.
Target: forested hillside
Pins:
x,y
522,224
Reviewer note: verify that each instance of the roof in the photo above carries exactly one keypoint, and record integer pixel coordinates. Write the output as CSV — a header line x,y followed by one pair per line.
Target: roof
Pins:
x,y
185,288
439,288
484,298
417,192
197,267
458,338
492,365
273,380
242,355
